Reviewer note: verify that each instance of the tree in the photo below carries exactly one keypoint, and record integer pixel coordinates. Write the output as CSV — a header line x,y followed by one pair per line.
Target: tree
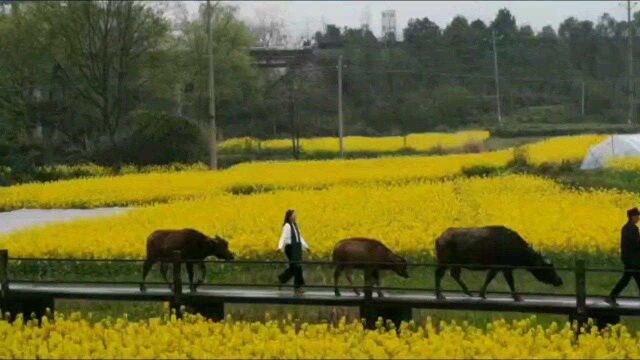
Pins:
x,y
332,38
102,49
548,33
581,40
27,74
238,83
364,61
453,105
459,41
269,30
505,24
526,32
421,32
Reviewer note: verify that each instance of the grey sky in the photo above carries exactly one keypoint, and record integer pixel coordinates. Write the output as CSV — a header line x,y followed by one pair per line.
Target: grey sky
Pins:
x,y
304,17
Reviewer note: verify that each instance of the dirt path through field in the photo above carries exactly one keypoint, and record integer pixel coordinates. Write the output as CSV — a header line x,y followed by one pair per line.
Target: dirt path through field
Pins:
x,y
20,219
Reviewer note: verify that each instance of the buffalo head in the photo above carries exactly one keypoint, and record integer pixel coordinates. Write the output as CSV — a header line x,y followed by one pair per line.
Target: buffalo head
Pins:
x,y
219,247
545,272
400,266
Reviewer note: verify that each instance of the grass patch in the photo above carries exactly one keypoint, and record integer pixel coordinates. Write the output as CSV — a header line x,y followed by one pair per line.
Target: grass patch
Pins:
x,y
250,189
514,130
481,170
609,179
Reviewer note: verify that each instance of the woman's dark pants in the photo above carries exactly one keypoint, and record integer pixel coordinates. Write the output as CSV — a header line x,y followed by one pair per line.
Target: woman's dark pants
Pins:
x,y
294,270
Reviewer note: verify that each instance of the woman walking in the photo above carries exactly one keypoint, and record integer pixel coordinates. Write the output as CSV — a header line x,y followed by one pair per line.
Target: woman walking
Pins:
x,y
292,243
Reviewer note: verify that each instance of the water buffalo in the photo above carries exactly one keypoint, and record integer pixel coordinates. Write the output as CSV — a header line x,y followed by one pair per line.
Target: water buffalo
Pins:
x,y
194,247
369,255
488,248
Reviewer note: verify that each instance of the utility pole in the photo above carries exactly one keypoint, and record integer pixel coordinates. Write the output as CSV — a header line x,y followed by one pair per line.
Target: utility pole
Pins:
x,y
582,98
630,60
340,124
213,141
292,116
495,71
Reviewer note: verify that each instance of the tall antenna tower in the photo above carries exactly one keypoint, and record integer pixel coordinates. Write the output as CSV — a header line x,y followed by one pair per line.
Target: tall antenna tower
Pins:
x,y
389,25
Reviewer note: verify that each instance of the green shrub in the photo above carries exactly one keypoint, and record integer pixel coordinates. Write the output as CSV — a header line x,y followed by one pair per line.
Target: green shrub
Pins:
x,y
540,130
550,114
162,138
479,170
453,105
520,157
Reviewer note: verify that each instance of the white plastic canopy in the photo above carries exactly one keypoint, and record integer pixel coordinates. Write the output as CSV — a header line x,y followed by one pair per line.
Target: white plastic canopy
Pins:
x,y
616,146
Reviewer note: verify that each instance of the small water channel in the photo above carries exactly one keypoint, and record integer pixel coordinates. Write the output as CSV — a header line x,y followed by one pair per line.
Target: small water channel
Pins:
x,y
24,218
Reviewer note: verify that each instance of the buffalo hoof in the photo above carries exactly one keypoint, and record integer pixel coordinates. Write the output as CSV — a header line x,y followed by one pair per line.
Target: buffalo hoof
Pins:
x,y
611,301
380,294
439,296
337,292
143,288
193,289
469,294
483,296
517,298
356,292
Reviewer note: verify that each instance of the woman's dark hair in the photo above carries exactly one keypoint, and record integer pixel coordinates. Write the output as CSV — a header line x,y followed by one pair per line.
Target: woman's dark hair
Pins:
x,y
287,216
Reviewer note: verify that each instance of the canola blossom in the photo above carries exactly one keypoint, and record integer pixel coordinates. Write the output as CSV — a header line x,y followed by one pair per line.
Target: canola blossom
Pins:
x,y
137,189
194,337
360,144
406,217
624,164
563,149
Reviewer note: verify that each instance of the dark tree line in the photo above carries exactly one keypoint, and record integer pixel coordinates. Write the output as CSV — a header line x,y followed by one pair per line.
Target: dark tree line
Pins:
x,y
121,81
444,77
116,81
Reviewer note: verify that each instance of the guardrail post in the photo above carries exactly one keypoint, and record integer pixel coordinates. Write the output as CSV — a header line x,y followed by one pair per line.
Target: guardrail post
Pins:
x,y
368,284
367,311
581,292
4,274
177,283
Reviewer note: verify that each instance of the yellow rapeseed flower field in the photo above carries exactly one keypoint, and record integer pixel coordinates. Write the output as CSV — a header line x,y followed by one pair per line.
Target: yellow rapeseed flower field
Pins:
x,y
561,149
136,189
386,144
625,164
407,217
194,337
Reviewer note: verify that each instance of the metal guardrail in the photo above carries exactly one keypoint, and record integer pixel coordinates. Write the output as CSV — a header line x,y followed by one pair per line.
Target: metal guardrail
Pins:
x,y
580,271
285,262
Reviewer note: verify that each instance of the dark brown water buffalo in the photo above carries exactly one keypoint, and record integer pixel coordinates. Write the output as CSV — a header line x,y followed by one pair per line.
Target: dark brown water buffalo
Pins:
x,y
369,255
194,247
489,248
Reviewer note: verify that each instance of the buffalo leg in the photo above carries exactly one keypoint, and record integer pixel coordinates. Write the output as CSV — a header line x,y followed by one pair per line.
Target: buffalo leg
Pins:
x,y
347,274
440,271
164,268
189,267
368,281
376,279
336,278
508,275
146,267
455,273
490,275
203,271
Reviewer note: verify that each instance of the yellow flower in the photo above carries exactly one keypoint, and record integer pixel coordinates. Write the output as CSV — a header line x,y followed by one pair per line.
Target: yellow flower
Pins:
x,y
557,150
407,217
